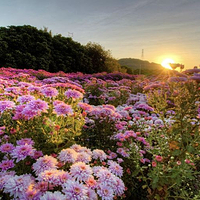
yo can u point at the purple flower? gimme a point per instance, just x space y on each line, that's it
24 141
67 155
49 91
83 157
74 94
99 154
22 151
45 163
4 105
25 98
74 190
18 185
6 148
115 168
80 171
6 164
53 196
28 113
63 109
38 105
105 192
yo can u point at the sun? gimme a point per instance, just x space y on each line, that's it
166 63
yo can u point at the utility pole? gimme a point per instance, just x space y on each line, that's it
142 57
70 35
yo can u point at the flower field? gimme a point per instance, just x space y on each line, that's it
102 136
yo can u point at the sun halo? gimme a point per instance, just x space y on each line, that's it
166 63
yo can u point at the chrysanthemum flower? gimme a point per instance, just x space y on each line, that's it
105 192
53 196
49 91
92 194
6 148
45 163
54 176
80 171
22 151
67 155
83 157
118 187
17 185
6 164
25 98
24 141
38 105
63 109
5 105
99 154
74 190
115 168
74 94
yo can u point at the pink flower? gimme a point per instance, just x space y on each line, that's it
159 158
178 162
154 164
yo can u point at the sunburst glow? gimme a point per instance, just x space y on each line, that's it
166 63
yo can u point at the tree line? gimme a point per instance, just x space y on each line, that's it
28 47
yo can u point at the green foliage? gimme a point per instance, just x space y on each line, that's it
27 47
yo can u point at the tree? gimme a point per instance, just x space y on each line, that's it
101 60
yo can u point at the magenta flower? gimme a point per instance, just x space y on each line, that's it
25 98
6 105
74 94
38 105
6 164
63 109
49 91
6 148
28 113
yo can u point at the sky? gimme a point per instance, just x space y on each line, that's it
158 28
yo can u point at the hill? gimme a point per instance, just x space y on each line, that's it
135 66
